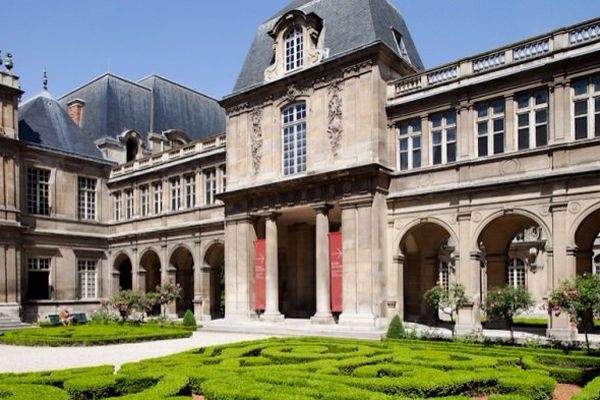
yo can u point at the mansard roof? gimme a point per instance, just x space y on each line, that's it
45 123
152 104
348 25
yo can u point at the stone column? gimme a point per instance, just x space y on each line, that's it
272 313
399 297
468 267
563 267
323 288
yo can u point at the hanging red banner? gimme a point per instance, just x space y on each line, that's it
259 275
335 270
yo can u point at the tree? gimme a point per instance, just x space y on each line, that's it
577 297
507 302
448 301
189 321
125 302
148 301
395 329
167 293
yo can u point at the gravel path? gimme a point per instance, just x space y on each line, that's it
29 359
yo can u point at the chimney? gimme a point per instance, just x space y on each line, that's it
75 110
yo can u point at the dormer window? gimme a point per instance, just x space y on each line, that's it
401 45
294 49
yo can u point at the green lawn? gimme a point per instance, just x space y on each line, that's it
325 369
92 334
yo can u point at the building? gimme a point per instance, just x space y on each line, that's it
351 181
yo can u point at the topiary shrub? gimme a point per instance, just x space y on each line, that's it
396 329
189 321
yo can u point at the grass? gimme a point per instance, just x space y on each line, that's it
325 369
93 334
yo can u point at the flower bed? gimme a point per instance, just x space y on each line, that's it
93 334
306 369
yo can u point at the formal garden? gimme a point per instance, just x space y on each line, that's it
127 317
328 369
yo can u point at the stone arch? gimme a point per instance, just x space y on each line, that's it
496 241
214 268
150 263
416 222
122 271
584 238
181 264
422 245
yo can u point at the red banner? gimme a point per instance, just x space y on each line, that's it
336 271
259 275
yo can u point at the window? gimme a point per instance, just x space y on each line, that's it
118 211
210 186
294 138
190 191
532 119
157 197
516 273
443 138
596 270
38 191
586 107
87 279
223 171
444 275
38 278
409 144
144 201
490 127
87 198
128 204
175 194
294 49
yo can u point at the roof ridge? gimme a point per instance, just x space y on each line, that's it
100 77
181 85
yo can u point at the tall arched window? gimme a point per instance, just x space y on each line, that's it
516 273
294 49
132 147
444 275
293 121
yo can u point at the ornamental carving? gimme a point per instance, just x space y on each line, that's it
335 127
292 93
256 139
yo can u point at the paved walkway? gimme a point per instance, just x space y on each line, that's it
30 359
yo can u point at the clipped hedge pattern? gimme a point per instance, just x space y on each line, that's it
91 335
324 369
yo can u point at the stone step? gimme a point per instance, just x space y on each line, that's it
292 329
8 326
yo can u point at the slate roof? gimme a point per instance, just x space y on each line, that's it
348 25
44 122
114 105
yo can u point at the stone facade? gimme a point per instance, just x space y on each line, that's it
482 172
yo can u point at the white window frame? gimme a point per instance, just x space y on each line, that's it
210 186
492 115
86 197
516 273
293 49
190 190
38 191
591 96
128 204
118 212
144 200
446 140
596 264
36 265
87 278
444 275
413 138
294 152
157 205
223 172
175 189
532 110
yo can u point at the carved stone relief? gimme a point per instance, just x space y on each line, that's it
256 139
335 128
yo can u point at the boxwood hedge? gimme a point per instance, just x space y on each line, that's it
325 369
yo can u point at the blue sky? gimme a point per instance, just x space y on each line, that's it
203 43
